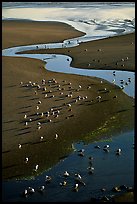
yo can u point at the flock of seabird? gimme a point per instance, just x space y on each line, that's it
78 178
64 90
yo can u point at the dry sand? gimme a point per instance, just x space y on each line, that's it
19 100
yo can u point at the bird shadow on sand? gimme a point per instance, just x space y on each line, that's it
23 133
105 100
24 112
9 166
7 151
38 142
9 121
25 107
27 96
11 86
32 99
26 128
9 129
123 110
60 99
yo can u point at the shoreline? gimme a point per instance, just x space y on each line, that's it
18 100
99 54
99 60
67 31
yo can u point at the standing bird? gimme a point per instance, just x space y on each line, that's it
48 179
38 123
36 167
37 107
25 193
44 88
26 160
106 148
81 152
78 176
80 86
118 152
76 187
19 146
26 123
41 138
91 169
64 183
39 127
31 190
56 136
66 174
97 147
41 189
114 96
98 98
25 116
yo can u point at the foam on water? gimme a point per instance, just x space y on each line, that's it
96 19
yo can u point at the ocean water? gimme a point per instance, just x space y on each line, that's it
97 20
93 18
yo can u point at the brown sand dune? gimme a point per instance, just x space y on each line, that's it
17 100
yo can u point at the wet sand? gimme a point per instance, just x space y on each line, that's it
29 32
74 123
112 53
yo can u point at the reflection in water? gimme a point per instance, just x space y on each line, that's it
109 169
107 166
63 64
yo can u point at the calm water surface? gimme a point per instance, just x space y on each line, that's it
110 170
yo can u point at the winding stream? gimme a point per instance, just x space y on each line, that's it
122 171
110 170
63 64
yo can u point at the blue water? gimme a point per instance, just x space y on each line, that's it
59 63
110 170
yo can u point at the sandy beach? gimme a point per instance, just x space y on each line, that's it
29 32
111 53
73 122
